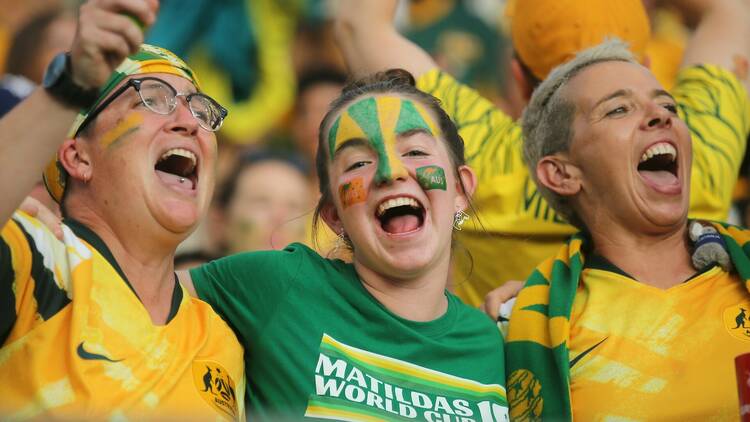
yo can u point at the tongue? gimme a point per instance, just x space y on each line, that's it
659 177
402 224
173 180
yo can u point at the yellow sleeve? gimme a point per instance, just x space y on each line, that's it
506 197
29 293
492 139
715 106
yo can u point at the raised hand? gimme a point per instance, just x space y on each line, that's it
108 31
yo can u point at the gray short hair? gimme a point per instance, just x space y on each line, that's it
547 121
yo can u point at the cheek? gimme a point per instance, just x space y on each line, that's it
431 177
352 192
124 128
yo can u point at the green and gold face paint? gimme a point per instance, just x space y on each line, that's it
431 177
352 192
380 120
124 127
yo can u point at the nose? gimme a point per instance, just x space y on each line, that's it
183 120
389 171
658 117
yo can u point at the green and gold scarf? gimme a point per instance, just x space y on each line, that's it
537 344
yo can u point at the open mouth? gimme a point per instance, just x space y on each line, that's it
400 215
658 164
178 167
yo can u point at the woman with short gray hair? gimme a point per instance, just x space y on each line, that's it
638 316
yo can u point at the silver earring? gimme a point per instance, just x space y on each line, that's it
182 180
459 218
339 243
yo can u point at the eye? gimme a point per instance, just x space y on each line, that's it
617 111
357 165
415 153
202 115
671 107
148 102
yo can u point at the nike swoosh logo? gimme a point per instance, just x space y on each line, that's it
585 352
83 354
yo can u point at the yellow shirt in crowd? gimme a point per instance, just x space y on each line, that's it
77 343
650 348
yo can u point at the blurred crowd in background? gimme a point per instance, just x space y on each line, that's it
275 66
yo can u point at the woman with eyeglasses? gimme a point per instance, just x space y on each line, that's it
94 324
380 338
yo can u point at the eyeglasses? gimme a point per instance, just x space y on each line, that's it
161 98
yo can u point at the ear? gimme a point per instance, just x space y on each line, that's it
558 174
76 160
331 217
525 86
468 179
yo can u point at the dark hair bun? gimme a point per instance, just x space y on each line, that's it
400 77
388 79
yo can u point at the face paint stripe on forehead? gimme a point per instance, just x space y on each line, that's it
413 117
346 130
390 165
365 114
332 137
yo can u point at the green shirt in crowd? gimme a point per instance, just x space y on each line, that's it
317 344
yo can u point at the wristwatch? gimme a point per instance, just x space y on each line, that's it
58 81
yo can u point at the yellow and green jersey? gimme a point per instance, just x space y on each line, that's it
588 342
638 352
518 229
78 343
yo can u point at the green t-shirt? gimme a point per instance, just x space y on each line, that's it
318 344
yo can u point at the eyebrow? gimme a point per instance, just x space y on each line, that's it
414 131
661 93
350 143
626 92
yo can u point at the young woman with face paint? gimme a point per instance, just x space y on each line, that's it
380 338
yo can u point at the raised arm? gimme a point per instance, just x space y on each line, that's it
722 36
31 133
712 96
370 42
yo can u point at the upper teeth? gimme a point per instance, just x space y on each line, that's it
659 149
397 202
181 152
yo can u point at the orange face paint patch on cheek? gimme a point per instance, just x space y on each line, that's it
124 127
352 192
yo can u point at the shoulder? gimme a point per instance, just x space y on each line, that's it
472 319
33 244
294 254
296 261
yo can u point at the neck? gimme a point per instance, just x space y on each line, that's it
146 259
660 260
420 298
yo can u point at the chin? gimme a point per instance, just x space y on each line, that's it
180 220
414 261
668 217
